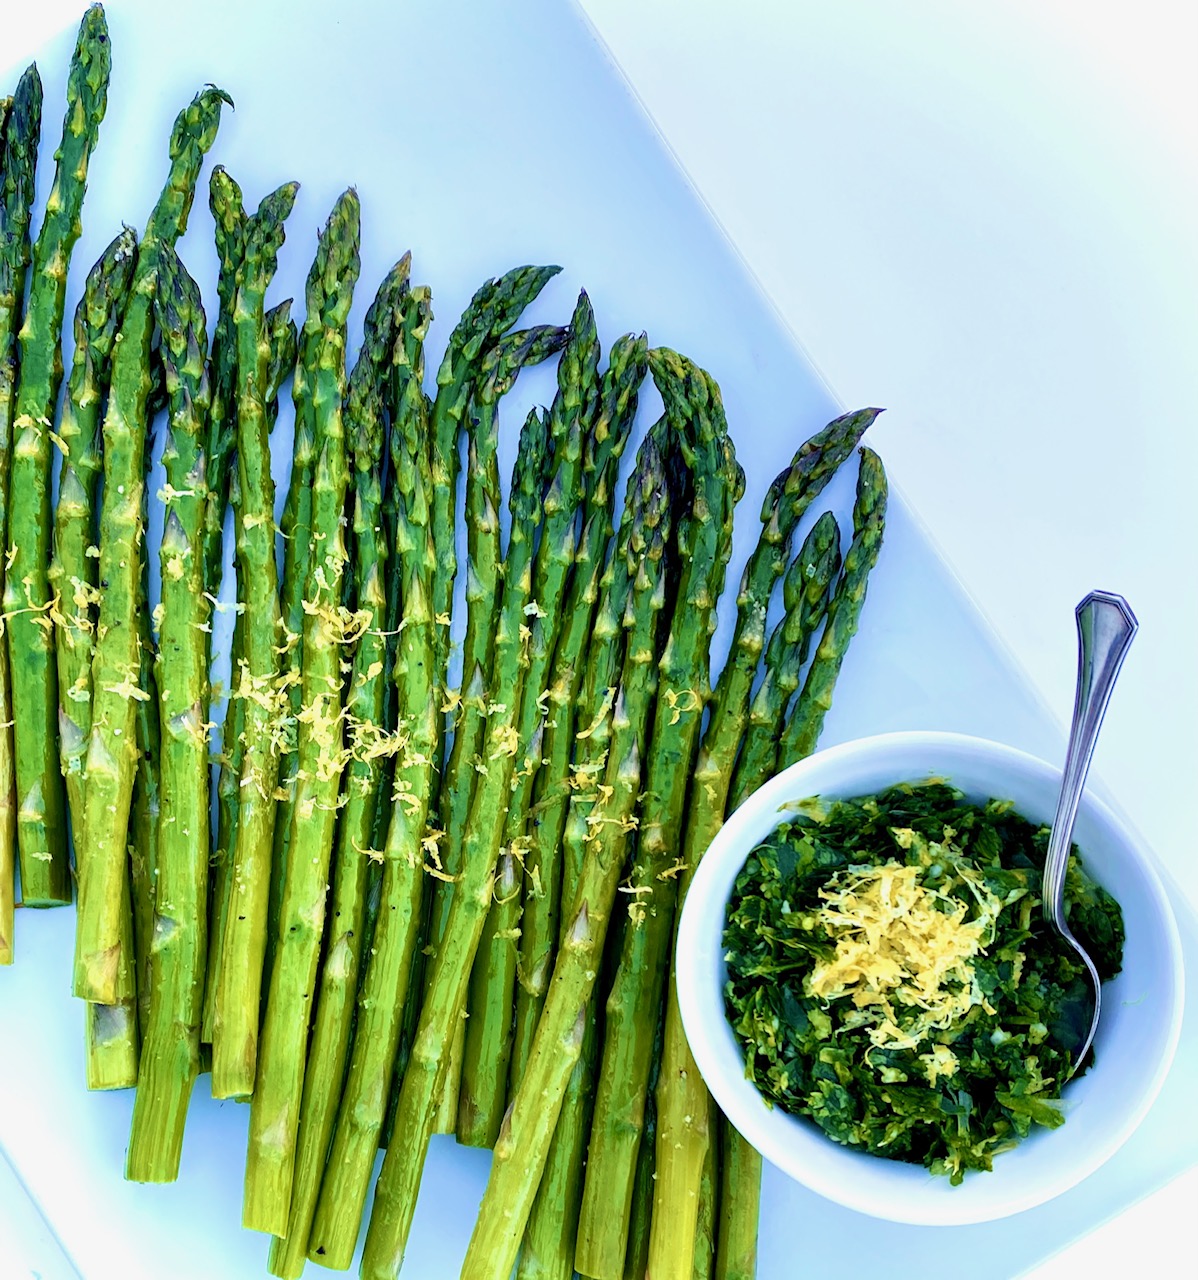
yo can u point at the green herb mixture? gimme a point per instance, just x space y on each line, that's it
890 974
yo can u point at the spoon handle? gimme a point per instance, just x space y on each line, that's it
1106 627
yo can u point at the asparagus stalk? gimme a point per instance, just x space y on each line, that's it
523 1143
283 338
415 982
18 162
489 1024
297 533
320 759
146 805
8 799
706 1225
365 411
228 785
424 1080
170 1061
111 758
636 990
806 591
493 310
548 1249
692 398
72 570
685 1133
114 1034
220 438
603 447
844 612
740 1187
111 1044
41 817
469 734
229 218
500 365
499 368
243 943
363 1103
636 1258
5 110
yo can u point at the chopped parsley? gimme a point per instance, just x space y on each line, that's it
891 976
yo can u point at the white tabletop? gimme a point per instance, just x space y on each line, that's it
977 216
981 217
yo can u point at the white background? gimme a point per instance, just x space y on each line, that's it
980 217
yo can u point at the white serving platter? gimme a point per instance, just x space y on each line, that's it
481 136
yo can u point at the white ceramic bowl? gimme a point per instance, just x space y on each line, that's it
1141 1009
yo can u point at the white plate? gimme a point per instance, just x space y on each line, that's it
481 136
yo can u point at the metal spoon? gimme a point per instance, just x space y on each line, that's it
1105 629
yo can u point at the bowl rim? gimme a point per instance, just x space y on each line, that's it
703 1016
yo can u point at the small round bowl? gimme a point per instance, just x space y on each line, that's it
1141 1008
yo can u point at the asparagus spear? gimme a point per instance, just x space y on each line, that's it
685 1137
72 570
110 1036
636 1259
170 1061
114 1034
548 1249
424 1080
365 411
297 532
5 109
489 1024
500 366
706 1225
740 1187
146 805
18 162
691 397
603 448
806 590
229 217
239 981
320 759
41 818
8 799
415 983
493 310
381 1001
844 612
111 758
523 1143
283 338
636 990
